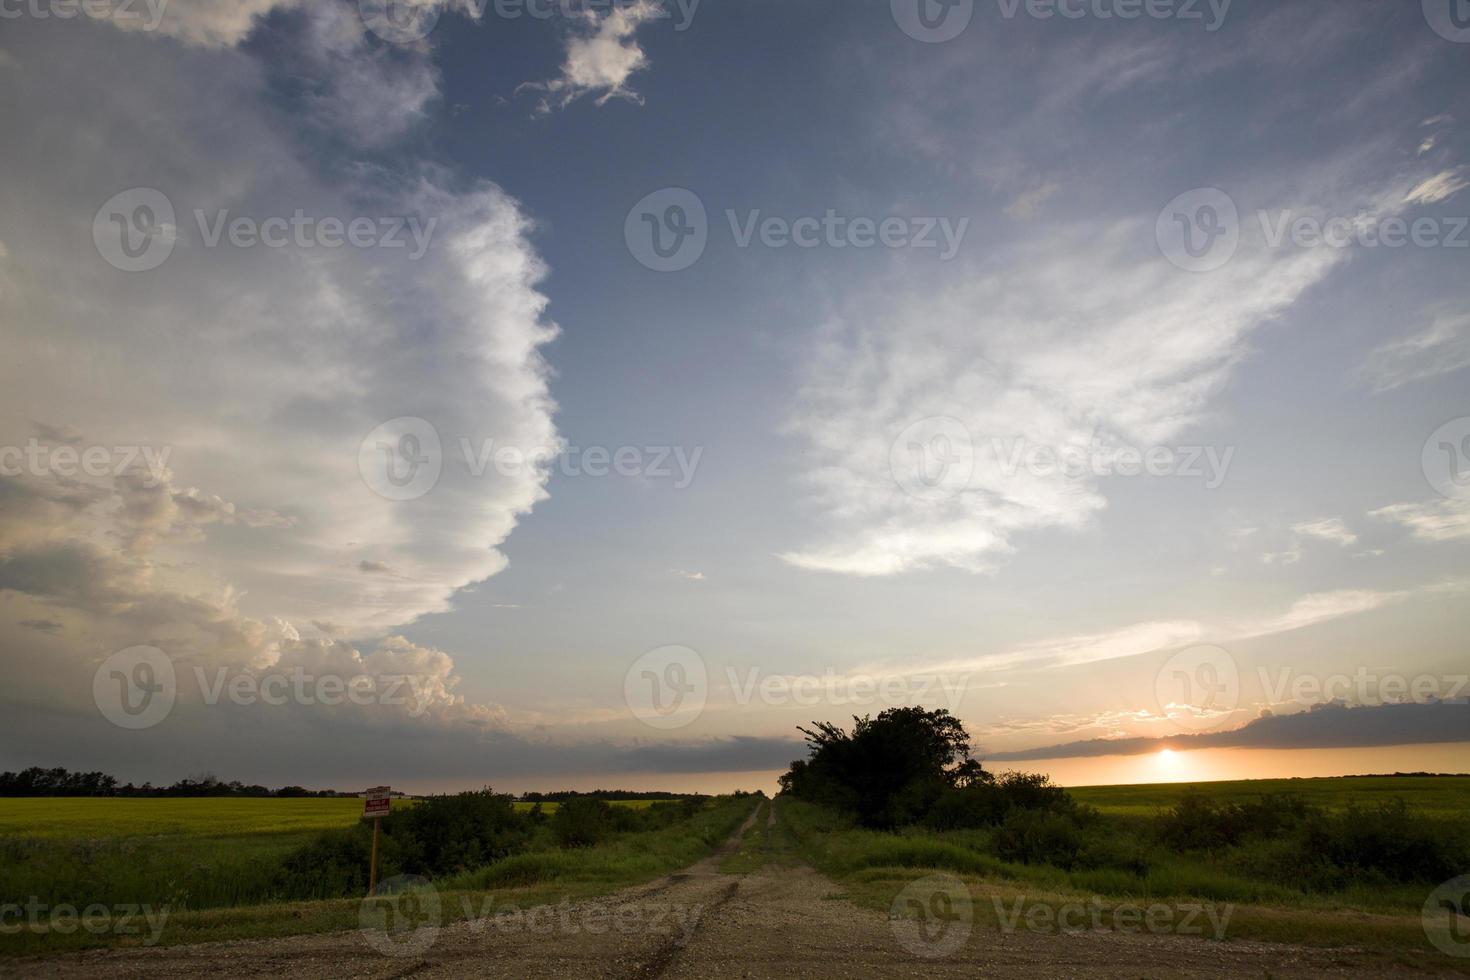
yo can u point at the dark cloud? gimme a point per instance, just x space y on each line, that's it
1323 726
41 625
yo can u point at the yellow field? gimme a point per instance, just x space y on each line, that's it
92 818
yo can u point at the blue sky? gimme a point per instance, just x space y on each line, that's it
831 470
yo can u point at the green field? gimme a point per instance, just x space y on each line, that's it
1437 796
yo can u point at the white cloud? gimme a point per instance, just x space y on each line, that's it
601 56
1073 342
1441 187
1075 337
205 23
1137 639
1440 348
259 371
1328 529
1311 610
1435 520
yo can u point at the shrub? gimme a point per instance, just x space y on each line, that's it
1039 837
582 822
989 803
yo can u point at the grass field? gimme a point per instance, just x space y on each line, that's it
1436 796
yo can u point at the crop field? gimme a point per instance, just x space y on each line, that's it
63 818
107 819
1445 797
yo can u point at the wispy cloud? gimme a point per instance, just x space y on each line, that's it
1138 639
1328 529
1441 187
1312 610
1440 348
1434 520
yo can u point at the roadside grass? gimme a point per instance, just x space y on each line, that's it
242 868
625 860
873 867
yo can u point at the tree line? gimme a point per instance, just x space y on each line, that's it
37 781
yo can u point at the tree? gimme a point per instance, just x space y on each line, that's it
889 771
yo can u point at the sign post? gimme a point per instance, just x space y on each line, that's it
375 805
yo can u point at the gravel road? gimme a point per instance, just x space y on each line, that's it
780 922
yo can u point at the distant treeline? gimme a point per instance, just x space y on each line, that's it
563 796
36 781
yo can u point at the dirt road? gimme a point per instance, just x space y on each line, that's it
781 921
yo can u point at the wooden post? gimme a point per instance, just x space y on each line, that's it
373 868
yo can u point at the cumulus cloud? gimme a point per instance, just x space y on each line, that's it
205 23
1440 348
602 54
255 373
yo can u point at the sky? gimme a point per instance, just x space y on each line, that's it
540 394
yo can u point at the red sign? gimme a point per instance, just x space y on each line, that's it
377 802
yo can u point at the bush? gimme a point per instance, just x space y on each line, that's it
441 835
1039 837
1284 839
582 822
1386 841
989 803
